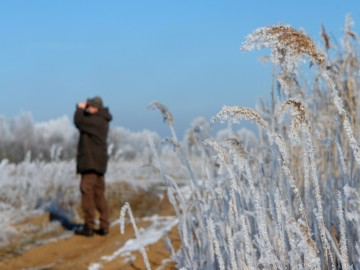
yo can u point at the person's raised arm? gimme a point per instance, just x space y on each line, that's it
82 119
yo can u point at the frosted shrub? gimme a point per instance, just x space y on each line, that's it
57 140
38 184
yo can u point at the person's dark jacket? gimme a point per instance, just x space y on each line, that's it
92 147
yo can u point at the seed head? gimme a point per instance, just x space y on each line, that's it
297 111
164 111
234 113
286 43
237 147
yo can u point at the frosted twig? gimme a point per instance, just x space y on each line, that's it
343 240
231 248
123 210
211 227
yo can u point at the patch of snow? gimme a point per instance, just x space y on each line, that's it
159 227
95 266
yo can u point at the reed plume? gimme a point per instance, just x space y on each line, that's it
167 116
286 43
325 37
234 113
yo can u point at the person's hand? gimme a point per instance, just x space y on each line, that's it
81 105
92 109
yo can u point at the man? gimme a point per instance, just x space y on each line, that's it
92 120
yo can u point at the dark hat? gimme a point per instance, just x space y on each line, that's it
95 102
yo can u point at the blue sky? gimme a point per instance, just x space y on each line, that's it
184 54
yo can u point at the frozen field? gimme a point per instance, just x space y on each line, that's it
286 197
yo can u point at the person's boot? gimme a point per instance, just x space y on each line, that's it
102 232
85 231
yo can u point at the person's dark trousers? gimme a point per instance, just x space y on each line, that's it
92 189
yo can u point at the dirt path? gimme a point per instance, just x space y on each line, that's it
77 252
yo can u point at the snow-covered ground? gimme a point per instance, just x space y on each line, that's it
159 226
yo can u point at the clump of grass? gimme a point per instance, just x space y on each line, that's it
288 46
251 214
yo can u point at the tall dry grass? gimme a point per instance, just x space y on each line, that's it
290 201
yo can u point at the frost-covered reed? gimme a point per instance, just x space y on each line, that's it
290 200
124 209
